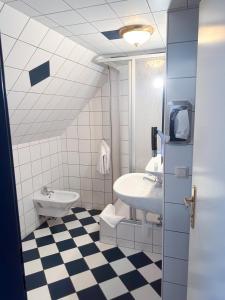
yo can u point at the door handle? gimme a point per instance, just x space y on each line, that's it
191 202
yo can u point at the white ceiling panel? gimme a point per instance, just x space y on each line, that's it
63 30
84 3
67 18
24 8
144 19
84 20
130 7
85 28
107 25
46 21
99 12
49 6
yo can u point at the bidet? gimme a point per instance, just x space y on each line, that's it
55 203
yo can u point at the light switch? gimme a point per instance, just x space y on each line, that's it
181 171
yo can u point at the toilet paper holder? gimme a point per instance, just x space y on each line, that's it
179 122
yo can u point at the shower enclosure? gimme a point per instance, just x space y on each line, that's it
140 88
139 84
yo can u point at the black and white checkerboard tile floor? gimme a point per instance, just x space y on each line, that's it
67 261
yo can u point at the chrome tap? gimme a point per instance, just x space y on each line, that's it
45 191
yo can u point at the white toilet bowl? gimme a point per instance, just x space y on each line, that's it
56 204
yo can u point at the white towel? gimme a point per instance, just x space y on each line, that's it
182 126
103 164
110 217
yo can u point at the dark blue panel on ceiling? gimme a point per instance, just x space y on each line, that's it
112 35
40 73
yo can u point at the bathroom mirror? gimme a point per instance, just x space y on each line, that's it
148 107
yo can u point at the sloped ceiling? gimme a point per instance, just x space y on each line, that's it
47 108
84 20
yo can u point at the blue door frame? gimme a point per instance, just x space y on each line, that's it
12 282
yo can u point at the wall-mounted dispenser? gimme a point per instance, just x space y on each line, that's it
179 122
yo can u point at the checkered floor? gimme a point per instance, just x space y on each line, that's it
67 261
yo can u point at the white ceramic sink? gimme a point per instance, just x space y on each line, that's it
138 192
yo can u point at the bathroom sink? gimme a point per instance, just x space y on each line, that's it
139 191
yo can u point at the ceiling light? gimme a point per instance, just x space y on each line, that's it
136 35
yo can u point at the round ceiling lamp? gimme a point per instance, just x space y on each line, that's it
136 35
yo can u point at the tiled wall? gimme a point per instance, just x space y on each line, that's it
39 113
49 107
80 146
181 77
36 164
131 234
66 162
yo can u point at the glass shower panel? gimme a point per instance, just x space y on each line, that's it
149 78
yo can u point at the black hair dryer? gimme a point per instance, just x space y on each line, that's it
154 141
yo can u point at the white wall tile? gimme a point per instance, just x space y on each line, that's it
182 59
25 172
178 156
33 33
27 187
51 41
8 25
157 236
181 89
98 185
174 291
84 146
188 26
125 231
175 270
145 237
85 159
177 217
7 45
177 188
11 76
181 240
22 50
106 230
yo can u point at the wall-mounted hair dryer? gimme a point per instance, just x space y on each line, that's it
154 141
164 139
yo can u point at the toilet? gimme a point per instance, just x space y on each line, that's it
57 204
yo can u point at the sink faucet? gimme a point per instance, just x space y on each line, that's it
154 178
45 191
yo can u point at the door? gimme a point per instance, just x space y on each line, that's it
12 285
206 279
